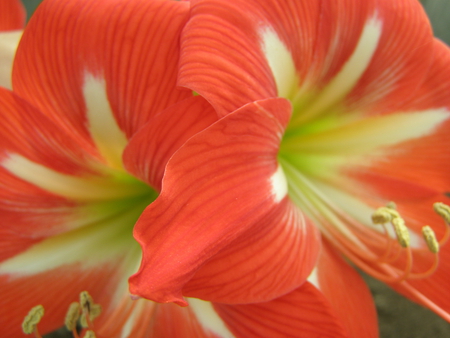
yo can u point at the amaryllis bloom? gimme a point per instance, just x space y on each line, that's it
12 20
330 112
85 136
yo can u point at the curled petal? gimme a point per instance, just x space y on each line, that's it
148 152
222 187
261 264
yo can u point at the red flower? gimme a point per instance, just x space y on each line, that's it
329 110
95 93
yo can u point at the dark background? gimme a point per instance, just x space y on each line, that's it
398 317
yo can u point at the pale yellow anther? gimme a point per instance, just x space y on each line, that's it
381 216
442 210
401 231
384 215
33 318
89 308
72 316
86 300
89 334
430 239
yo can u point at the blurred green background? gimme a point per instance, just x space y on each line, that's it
399 318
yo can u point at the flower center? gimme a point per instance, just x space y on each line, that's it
314 157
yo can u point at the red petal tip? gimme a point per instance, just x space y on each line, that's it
153 292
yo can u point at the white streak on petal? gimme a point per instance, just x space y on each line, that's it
208 317
8 47
279 184
351 71
370 134
361 212
72 187
280 62
314 278
136 318
108 137
88 246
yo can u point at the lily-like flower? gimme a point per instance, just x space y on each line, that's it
94 118
12 20
330 111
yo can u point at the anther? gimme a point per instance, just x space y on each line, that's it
442 210
90 309
401 231
381 216
86 300
72 316
89 334
34 316
430 239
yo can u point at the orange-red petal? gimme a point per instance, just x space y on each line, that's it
132 54
224 46
304 312
12 15
221 190
148 152
347 293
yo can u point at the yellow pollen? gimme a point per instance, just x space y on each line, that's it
401 231
32 319
72 316
89 334
430 239
381 216
442 210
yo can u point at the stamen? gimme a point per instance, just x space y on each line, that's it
29 324
443 210
381 216
389 214
72 316
90 310
383 255
402 231
430 239
89 334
